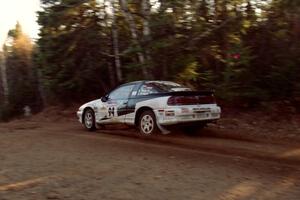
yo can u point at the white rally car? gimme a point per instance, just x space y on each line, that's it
152 106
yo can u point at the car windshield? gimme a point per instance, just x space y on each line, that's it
168 86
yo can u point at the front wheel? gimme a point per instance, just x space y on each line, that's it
147 123
89 120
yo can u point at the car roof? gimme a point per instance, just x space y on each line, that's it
145 81
133 82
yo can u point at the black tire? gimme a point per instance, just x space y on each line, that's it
147 123
89 120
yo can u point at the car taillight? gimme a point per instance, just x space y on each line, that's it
191 100
182 100
207 99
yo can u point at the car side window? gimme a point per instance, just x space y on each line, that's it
121 92
147 89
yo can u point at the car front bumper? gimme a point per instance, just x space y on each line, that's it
79 115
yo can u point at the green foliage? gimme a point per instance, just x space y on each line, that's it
189 73
245 50
70 46
226 46
20 75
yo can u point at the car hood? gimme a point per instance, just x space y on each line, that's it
92 104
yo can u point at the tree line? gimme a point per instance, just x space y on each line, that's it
246 50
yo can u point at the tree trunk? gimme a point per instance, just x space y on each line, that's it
41 89
146 31
132 26
110 67
115 38
146 16
4 79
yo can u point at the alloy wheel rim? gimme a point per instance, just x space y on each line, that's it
88 119
147 124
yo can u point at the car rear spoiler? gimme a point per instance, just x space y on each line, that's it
190 93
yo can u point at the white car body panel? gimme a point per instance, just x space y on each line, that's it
101 110
185 113
107 112
182 114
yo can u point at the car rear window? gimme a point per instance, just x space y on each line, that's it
165 86
147 89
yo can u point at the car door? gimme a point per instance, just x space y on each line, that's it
141 92
116 104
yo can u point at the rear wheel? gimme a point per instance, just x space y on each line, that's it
89 120
147 123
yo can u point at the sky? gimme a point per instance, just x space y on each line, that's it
23 11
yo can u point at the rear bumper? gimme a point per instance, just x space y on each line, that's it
188 114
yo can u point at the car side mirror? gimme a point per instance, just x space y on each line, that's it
104 98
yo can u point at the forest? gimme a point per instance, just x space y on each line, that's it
247 51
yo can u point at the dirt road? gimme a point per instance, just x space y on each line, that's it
62 161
